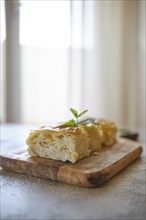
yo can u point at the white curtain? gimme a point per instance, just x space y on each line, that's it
112 61
2 60
102 68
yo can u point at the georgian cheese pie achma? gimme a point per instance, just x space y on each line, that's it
71 143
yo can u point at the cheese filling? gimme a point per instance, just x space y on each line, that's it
71 143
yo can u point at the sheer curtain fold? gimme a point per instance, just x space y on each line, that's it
2 61
114 68
102 69
13 68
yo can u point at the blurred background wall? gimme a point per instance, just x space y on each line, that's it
80 54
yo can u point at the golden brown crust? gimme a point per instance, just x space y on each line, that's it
71 143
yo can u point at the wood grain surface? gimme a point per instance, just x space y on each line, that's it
91 171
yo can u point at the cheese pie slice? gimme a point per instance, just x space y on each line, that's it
71 143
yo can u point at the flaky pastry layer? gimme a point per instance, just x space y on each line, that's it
71 143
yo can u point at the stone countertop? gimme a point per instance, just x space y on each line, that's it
30 198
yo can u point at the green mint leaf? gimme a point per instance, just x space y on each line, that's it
82 113
74 112
87 121
70 123
74 123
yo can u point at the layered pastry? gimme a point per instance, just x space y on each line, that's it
71 142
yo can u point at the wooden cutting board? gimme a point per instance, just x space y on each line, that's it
91 171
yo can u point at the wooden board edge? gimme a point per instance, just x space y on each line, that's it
98 178
17 166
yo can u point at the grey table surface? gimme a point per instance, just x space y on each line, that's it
26 197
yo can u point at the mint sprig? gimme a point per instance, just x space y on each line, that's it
73 122
70 123
76 115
